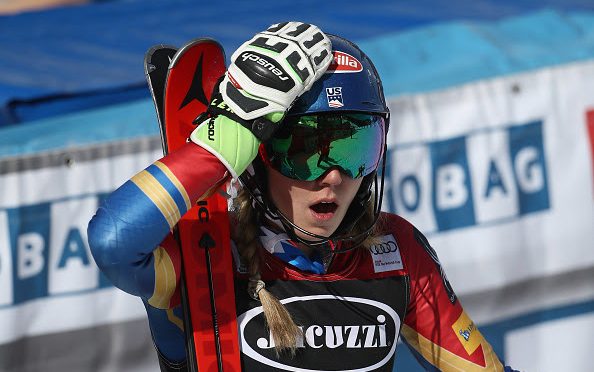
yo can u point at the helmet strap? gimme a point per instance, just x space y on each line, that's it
256 185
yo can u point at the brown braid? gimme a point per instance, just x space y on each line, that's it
283 329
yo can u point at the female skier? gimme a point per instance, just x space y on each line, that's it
336 280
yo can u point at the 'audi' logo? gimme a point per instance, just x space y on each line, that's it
385 247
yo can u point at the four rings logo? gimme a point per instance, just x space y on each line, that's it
382 248
386 255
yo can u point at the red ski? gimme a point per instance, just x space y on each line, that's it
207 292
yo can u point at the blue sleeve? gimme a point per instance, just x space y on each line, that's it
167 331
122 235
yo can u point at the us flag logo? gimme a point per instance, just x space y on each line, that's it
334 95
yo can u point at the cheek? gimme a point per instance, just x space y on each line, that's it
351 187
280 191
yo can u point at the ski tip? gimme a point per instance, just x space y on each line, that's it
154 55
191 44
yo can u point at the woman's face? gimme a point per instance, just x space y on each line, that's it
316 206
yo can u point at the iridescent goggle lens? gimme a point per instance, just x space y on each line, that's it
307 146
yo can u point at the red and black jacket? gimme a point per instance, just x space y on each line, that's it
352 316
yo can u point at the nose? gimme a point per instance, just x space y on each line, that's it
332 177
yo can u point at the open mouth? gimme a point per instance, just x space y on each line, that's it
324 208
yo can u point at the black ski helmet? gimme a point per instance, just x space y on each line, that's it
350 85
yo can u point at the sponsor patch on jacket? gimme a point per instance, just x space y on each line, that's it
346 334
467 333
386 255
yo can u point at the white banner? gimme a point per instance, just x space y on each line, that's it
48 279
498 175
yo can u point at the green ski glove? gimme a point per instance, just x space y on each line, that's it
232 143
267 74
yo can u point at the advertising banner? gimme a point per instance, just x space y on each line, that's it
498 175
49 283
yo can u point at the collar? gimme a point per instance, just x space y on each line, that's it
281 246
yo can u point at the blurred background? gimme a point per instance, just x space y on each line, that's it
490 151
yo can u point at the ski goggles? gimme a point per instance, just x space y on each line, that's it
305 147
